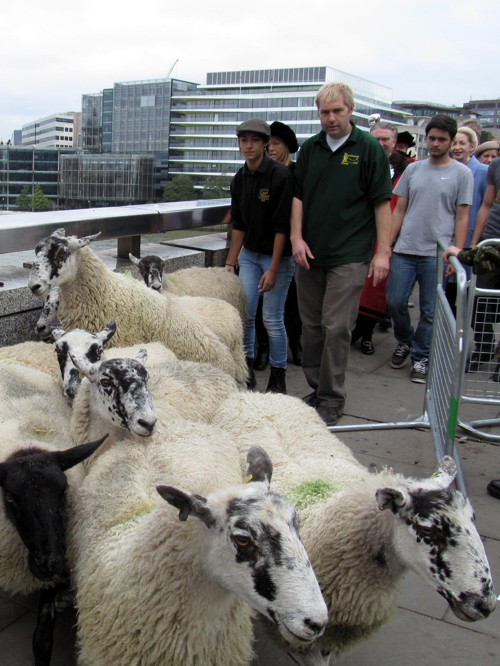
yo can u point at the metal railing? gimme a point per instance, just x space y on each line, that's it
446 371
22 231
481 385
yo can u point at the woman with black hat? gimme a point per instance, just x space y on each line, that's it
282 144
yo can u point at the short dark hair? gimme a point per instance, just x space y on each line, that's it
444 123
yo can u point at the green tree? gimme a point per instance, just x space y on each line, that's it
39 201
23 201
216 187
180 188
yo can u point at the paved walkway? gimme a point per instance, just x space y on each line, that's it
423 632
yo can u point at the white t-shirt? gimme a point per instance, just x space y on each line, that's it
433 194
336 143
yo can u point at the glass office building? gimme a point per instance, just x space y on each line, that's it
88 180
203 124
28 166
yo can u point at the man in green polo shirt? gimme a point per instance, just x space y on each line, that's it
340 207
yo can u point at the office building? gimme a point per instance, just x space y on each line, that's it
203 123
60 130
487 112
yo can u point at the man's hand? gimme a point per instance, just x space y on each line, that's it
379 267
301 253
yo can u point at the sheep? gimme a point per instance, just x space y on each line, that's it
91 295
217 315
194 281
151 591
32 527
359 549
179 390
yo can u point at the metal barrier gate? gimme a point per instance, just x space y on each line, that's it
481 384
446 371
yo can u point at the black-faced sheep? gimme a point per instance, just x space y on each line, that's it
194 281
90 295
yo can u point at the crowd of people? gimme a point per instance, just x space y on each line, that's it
353 225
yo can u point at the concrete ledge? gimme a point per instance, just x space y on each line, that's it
19 309
215 247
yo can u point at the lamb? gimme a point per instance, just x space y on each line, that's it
194 281
91 295
151 591
359 549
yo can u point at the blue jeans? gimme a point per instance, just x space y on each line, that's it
405 271
252 266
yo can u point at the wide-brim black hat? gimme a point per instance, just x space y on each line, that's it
286 134
406 138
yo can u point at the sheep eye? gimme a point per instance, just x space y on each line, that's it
427 530
242 541
106 383
9 499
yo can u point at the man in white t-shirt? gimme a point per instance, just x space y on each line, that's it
434 200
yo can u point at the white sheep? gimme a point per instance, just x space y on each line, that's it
195 281
358 550
117 395
91 295
151 590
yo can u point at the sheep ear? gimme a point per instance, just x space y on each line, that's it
107 333
83 365
390 498
260 467
446 472
3 471
133 259
142 356
187 503
71 457
57 330
75 243
59 233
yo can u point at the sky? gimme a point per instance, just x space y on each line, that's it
52 52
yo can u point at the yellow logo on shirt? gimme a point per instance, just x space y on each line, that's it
350 159
263 195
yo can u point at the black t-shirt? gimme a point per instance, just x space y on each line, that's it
261 205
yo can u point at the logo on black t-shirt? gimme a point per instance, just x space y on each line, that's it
264 195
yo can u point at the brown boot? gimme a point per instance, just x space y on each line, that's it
277 381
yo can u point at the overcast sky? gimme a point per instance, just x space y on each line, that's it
52 52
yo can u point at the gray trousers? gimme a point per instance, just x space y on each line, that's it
328 303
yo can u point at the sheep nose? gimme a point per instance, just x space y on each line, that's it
147 425
35 288
317 627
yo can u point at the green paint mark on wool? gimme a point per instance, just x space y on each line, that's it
310 492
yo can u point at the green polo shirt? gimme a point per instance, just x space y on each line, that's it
339 191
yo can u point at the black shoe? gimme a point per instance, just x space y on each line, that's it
329 414
251 381
400 355
493 488
277 381
311 399
367 347
262 358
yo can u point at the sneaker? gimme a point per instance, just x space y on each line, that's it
367 347
419 371
400 355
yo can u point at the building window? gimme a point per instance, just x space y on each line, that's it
147 100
